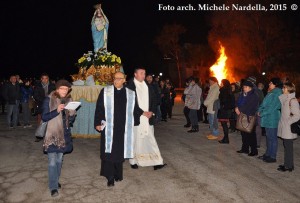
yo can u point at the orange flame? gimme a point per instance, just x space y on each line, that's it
219 69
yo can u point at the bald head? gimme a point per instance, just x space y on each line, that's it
119 74
119 79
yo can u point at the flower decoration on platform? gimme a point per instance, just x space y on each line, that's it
101 58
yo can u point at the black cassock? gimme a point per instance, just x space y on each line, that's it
112 163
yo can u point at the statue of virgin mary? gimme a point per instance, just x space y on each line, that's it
99 29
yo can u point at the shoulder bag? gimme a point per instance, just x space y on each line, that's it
41 130
295 127
245 123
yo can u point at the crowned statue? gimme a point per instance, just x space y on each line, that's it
99 29
101 64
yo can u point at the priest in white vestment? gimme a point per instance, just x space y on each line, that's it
146 151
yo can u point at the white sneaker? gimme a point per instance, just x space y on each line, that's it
29 126
25 126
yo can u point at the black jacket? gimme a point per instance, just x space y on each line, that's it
227 102
39 95
11 93
120 103
152 99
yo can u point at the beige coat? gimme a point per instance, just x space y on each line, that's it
284 126
213 95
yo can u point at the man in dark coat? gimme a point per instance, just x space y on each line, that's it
41 91
12 96
157 92
116 113
171 98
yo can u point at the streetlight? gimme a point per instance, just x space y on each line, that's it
263 73
160 74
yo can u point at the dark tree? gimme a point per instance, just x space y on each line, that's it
168 43
255 41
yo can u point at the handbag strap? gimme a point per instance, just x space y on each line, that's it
291 114
249 118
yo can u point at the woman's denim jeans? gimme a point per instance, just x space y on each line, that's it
272 142
54 169
213 124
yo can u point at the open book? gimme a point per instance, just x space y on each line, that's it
72 105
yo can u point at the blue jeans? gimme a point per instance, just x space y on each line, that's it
12 110
271 134
54 169
157 114
213 124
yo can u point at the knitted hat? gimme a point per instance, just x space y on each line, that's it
60 83
252 79
247 83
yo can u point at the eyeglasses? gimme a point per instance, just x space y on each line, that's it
119 78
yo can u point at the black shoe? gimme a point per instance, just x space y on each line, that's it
231 130
164 120
59 186
54 193
110 183
135 166
37 139
284 169
282 166
242 151
205 121
263 157
159 166
193 130
269 160
253 154
187 125
118 179
224 141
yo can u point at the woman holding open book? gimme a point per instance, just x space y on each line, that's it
57 141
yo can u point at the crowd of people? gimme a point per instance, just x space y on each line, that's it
273 109
24 96
127 111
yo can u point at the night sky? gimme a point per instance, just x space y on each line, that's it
49 36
